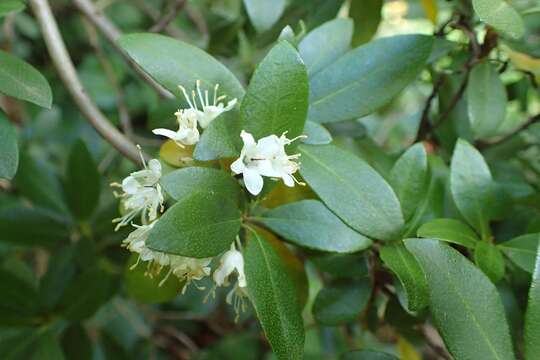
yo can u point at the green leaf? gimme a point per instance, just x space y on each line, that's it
316 134
146 289
87 293
472 186
522 251
11 6
264 14
367 16
18 301
48 348
341 303
409 273
490 260
532 316
184 182
200 225
367 354
20 80
76 343
9 161
37 181
83 181
477 327
59 275
25 226
409 178
501 15
342 266
310 224
450 230
277 98
221 139
366 78
273 294
353 190
325 44
486 100
179 63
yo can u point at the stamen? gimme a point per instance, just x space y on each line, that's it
165 278
215 93
220 98
199 92
206 97
193 97
136 263
186 96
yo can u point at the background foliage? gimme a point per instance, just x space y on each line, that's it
416 236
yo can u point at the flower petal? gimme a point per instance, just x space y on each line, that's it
165 132
253 181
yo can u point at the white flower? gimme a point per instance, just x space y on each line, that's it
141 193
189 269
231 261
187 133
209 111
267 157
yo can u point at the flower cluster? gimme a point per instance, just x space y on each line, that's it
142 195
201 112
266 157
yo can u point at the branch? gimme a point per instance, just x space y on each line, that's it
166 20
68 74
112 34
425 124
531 121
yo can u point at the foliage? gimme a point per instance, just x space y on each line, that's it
352 179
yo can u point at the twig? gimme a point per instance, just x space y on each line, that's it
455 99
123 112
434 341
153 14
169 16
68 74
531 121
112 34
425 124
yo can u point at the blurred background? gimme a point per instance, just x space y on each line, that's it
66 290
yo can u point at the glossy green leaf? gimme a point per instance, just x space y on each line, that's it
409 273
316 134
200 225
490 260
10 7
500 15
20 80
366 78
277 98
264 14
522 251
221 139
19 300
83 181
341 303
352 190
59 275
367 16
9 161
24 226
532 316
486 100
184 182
409 178
325 44
342 266
48 347
471 186
273 294
179 63
450 230
146 289
477 327
367 355
87 293
37 181
310 224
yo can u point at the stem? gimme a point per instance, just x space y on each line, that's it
68 74
166 20
112 34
